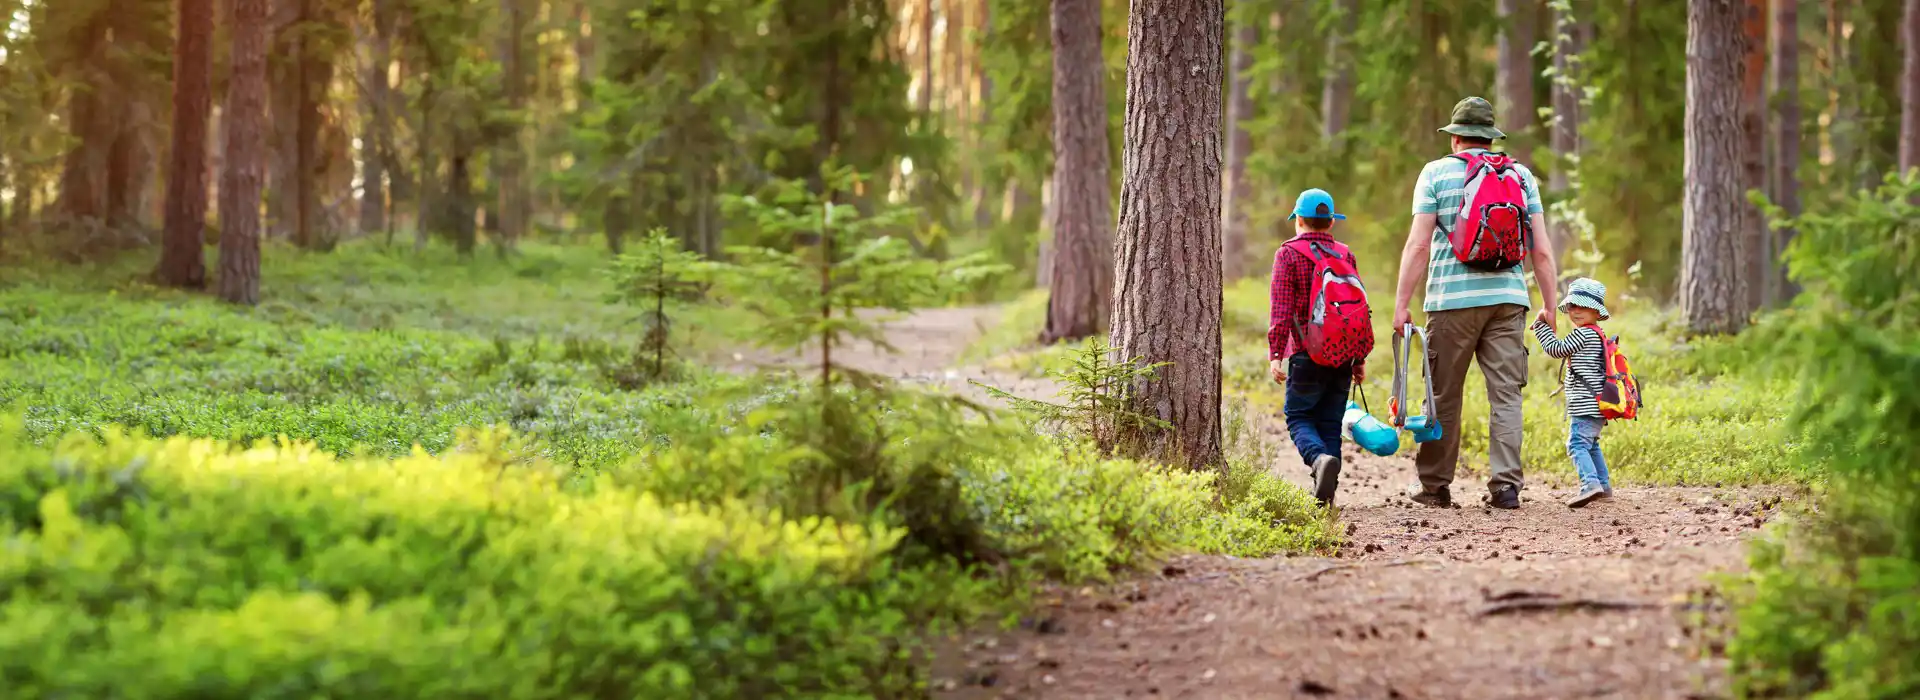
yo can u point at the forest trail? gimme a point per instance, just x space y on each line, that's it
1467 602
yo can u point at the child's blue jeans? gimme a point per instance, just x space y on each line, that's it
1583 445
1316 401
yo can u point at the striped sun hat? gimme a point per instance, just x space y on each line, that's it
1589 293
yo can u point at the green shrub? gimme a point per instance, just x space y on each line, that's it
1831 606
191 568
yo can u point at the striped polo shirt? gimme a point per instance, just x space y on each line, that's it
1450 284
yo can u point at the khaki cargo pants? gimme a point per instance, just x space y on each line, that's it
1496 336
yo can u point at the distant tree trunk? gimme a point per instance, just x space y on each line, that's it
376 146
1514 76
1082 211
1910 89
510 154
926 58
982 200
1753 111
1238 192
460 208
1784 175
1569 40
1713 280
182 259
244 175
1167 306
1337 96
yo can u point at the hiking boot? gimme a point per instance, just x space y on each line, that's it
1588 494
1505 497
1326 478
1436 498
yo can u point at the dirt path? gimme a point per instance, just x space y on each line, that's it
1467 602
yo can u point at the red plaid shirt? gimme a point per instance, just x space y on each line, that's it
1289 294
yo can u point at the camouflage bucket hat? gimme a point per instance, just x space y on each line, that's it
1473 117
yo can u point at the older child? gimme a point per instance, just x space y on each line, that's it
1584 349
1319 335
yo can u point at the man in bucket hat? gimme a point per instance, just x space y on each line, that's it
1472 313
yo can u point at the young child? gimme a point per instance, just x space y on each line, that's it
1585 351
1318 311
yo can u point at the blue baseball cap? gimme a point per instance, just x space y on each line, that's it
1315 204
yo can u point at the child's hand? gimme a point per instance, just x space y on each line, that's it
1547 316
1277 370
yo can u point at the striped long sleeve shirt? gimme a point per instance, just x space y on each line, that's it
1585 352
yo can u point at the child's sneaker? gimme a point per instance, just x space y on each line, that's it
1588 494
1326 478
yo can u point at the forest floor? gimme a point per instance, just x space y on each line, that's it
1464 602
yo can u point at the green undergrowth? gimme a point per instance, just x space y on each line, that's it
1829 607
412 476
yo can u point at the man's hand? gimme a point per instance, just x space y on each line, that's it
1547 316
1278 370
1359 371
1401 318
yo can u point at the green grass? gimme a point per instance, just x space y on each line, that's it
400 372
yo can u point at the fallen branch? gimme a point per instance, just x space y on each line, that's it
1557 604
1315 575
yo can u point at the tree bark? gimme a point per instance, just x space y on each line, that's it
244 175
182 258
1238 191
926 58
510 153
1713 280
1514 76
1337 95
1910 89
1168 299
376 146
1784 177
1569 40
1753 111
1081 214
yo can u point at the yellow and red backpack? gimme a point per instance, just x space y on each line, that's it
1618 395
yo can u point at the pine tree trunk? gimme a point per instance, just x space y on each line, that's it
182 259
1569 33
1753 120
982 197
1337 96
376 146
1784 175
1238 192
1910 88
1081 211
244 175
1167 304
1713 280
1514 76
510 153
926 59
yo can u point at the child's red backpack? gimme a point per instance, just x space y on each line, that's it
1493 231
1339 327
1618 395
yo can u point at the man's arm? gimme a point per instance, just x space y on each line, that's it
1545 273
1413 267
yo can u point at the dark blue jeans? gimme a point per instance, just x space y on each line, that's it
1316 401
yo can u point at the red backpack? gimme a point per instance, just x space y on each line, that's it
1339 327
1493 231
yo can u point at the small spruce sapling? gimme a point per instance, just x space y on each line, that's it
654 276
847 281
1092 399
